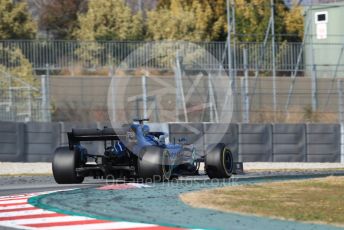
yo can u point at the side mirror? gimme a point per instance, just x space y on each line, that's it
162 139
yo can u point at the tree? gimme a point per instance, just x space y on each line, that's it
105 20
18 66
60 17
15 21
184 20
294 20
163 4
252 18
109 20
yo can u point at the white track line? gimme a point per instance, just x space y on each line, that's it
13 201
16 206
18 227
14 198
44 220
113 225
24 213
18 196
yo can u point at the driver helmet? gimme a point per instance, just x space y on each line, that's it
145 130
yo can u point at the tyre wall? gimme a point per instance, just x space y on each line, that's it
255 142
222 133
323 143
36 142
40 140
289 143
11 141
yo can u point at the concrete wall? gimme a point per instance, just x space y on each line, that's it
11 141
40 140
323 142
255 142
224 133
289 142
73 104
34 142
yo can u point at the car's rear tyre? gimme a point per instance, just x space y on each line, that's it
65 162
154 164
219 161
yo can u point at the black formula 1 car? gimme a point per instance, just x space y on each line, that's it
137 153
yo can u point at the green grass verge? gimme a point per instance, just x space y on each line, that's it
315 200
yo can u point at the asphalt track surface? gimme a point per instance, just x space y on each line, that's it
10 185
158 204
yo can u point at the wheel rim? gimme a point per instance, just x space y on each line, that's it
77 164
227 161
166 166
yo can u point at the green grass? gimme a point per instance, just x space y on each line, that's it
316 200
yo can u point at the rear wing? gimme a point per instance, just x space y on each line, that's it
106 134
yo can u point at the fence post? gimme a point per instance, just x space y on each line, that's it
144 95
314 89
230 63
29 104
314 79
234 38
212 101
48 93
72 46
341 113
45 98
180 99
245 91
273 57
10 96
